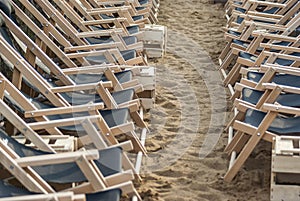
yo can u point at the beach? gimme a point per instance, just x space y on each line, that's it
186 159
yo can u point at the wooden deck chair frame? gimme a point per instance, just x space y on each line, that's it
229 54
252 5
248 26
269 70
40 115
226 56
35 50
60 196
113 55
125 12
83 25
108 100
270 95
26 70
240 144
233 75
33 182
149 11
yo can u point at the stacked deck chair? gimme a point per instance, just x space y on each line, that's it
99 51
71 76
260 66
42 86
147 9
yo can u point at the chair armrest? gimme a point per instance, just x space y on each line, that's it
91 47
64 110
279 47
255 13
99 33
92 69
281 69
281 109
104 21
50 159
266 3
97 11
284 88
81 87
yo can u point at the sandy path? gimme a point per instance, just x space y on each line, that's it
190 113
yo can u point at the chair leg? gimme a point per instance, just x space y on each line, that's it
226 62
233 75
232 143
224 53
248 148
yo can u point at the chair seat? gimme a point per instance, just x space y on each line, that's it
281 79
280 125
252 96
7 190
122 77
129 40
126 54
109 162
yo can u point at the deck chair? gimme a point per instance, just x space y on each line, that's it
282 55
251 46
13 193
272 93
35 169
271 10
248 27
247 5
270 73
117 99
80 53
68 62
109 123
120 76
89 135
38 81
253 125
243 40
91 23
127 12
148 9
23 195
106 22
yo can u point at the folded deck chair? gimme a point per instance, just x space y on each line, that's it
248 28
37 168
92 23
245 6
270 73
271 9
100 127
248 38
9 192
12 193
286 96
251 46
127 13
120 80
145 8
79 50
253 125
91 136
115 100
287 56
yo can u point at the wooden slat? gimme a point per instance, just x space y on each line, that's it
49 159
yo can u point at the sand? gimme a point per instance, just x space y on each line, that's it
186 159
